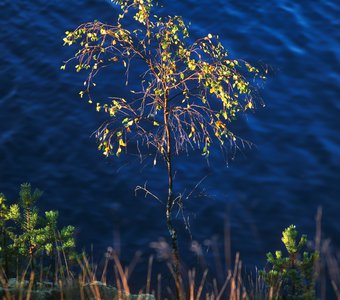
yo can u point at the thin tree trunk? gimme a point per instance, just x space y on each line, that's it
170 202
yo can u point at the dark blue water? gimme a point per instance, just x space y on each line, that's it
294 167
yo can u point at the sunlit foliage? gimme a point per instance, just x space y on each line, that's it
26 235
193 89
292 277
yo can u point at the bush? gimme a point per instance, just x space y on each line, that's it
292 277
27 236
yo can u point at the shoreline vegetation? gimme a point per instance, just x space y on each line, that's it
42 264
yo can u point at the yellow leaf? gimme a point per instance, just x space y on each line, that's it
119 150
121 143
219 124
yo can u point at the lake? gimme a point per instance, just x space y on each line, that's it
293 167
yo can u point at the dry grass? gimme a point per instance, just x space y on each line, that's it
87 286
230 281
194 286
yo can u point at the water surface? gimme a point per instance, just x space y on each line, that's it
45 129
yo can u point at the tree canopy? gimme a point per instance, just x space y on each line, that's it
192 89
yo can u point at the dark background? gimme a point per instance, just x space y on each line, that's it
45 129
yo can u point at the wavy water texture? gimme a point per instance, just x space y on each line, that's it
293 167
